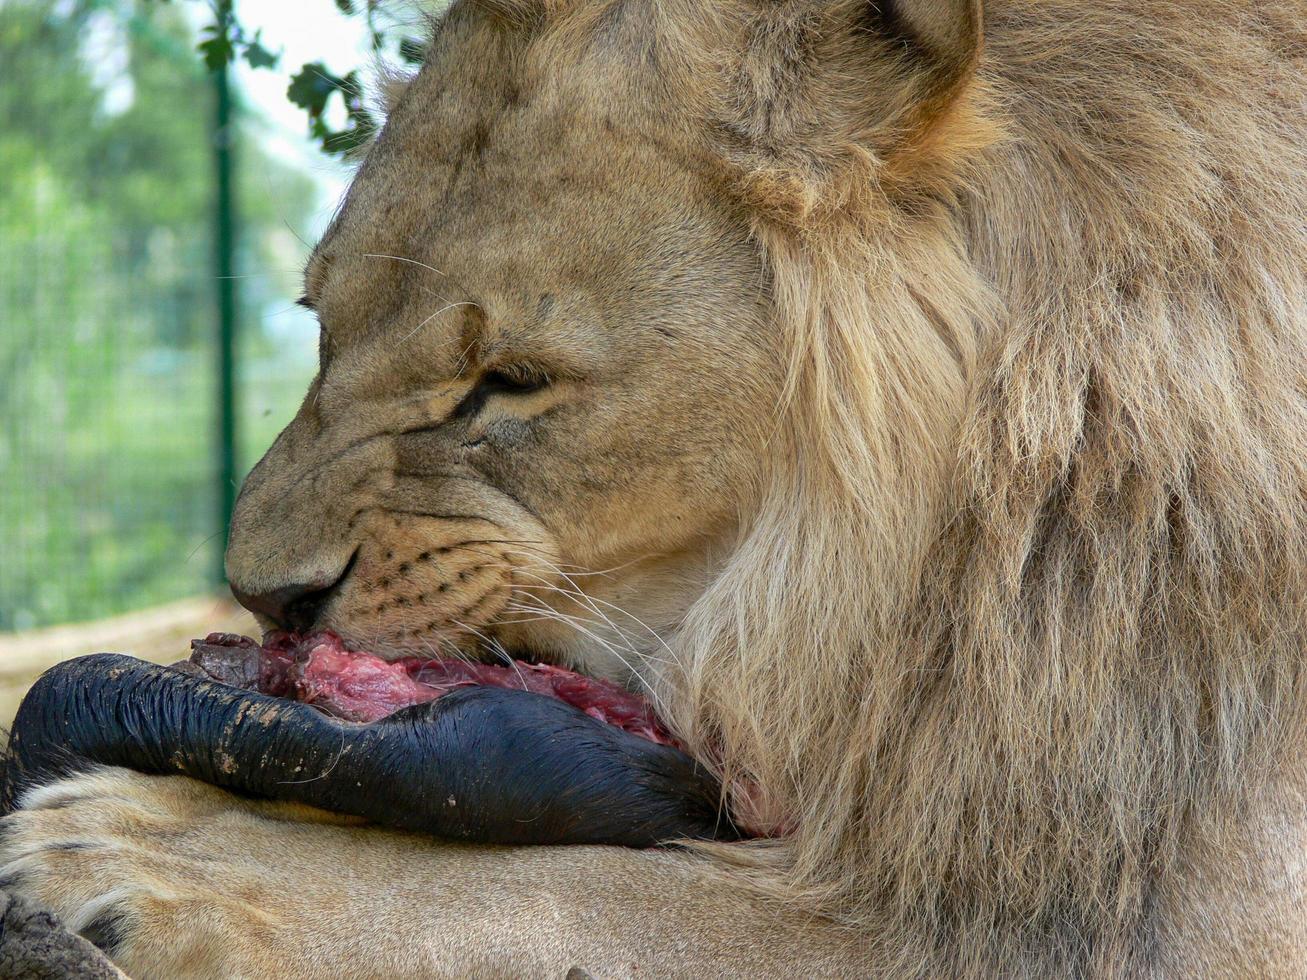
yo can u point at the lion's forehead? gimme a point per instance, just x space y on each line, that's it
588 260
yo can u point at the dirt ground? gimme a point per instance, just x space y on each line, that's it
161 634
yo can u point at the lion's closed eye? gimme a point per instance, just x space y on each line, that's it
514 381
501 381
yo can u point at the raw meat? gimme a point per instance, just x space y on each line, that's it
317 669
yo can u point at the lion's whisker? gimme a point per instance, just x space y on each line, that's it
400 258
443 309
584 601
593 602
575 624
497 647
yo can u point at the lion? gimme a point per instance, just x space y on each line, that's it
910 398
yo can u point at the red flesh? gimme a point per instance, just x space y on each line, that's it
318 669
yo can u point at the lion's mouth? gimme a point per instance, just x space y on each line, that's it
354 685
519 754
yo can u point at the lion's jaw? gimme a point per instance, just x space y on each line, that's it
500 235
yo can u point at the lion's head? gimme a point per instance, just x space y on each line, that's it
547 362
931 450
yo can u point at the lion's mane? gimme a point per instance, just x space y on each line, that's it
1024 602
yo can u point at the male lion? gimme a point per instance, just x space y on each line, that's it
923 423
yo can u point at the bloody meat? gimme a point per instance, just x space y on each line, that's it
318 669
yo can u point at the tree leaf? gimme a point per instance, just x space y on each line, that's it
345 140
258 56
218 50
412 49
311 87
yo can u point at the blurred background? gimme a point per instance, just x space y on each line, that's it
154 217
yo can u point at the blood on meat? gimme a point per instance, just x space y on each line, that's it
318 669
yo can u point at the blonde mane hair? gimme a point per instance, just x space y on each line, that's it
1023 598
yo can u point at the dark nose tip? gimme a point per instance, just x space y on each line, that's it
293 607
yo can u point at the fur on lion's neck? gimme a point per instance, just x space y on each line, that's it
1047 604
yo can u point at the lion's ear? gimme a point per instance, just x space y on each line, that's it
819 77
941 38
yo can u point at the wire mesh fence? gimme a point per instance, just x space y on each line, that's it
106 475
109 408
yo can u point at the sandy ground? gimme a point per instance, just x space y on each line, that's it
161 634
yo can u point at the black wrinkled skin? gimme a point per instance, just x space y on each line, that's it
479 764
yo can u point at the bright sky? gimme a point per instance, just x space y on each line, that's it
302 31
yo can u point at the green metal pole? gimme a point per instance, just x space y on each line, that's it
225 231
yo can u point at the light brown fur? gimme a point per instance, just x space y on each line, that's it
928 434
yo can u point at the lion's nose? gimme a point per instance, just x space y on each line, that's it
293 607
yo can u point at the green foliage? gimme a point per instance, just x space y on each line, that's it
222 43
313 86
412 50
107 495
312 89
258 56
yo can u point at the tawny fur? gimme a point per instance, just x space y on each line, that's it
987 584
1109 635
